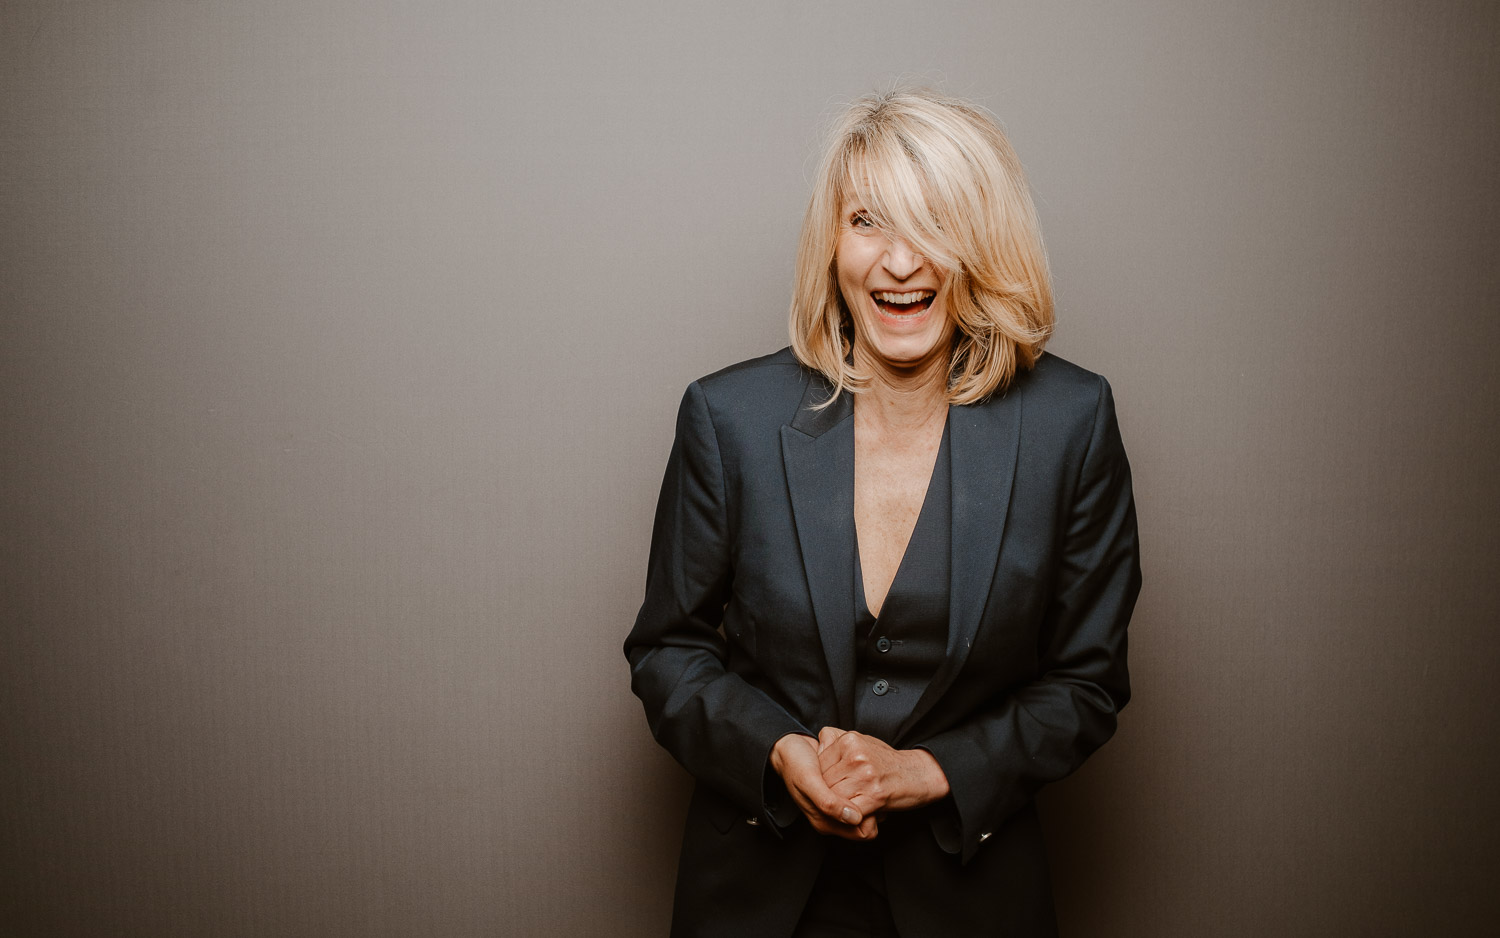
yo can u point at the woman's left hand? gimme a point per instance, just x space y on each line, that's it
875 777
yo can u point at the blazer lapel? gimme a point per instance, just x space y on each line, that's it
818 451
984 439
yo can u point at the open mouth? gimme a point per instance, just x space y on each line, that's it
903 305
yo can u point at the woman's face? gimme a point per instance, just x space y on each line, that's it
891 291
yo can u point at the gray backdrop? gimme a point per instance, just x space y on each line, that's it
341 348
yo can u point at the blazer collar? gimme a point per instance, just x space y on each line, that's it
818 451
984 440
817 448
813 421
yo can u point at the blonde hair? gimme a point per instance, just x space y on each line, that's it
939 173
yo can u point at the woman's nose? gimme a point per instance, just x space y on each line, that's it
900 260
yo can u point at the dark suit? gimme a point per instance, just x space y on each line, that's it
755 532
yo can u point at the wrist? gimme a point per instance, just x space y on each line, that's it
779 750
933 781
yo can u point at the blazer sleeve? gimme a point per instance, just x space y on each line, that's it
1042 731
718 726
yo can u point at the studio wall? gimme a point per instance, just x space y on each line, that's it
340 347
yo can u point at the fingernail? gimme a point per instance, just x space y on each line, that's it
849 816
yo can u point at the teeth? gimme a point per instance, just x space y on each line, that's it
902 299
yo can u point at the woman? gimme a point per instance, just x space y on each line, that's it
892 566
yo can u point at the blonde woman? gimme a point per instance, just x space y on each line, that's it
892 566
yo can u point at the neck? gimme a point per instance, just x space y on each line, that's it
906 394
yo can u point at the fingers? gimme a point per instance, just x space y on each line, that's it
841 804
843 754
857 813
827 735
858 768
822 800
798 765
864 829
867 796
866 803
817 816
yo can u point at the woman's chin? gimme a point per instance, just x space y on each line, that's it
904 352
903 341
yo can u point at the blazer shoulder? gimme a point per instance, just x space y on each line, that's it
775 368
1063 401
1057 383
766 388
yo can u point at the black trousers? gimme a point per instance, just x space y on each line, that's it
849 898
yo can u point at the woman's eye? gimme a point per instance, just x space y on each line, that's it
861 220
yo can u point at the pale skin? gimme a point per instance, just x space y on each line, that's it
845 781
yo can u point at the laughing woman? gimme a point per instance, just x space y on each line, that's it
892 566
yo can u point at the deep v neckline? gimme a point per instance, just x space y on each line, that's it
862 609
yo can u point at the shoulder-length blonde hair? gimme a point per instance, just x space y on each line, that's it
939 173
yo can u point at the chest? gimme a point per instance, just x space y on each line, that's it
892 474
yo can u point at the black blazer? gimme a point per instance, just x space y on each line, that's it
747 634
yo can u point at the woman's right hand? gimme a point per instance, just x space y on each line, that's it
795 759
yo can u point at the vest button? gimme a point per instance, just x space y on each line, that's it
883 644
881 686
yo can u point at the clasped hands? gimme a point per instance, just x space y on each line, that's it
844 782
